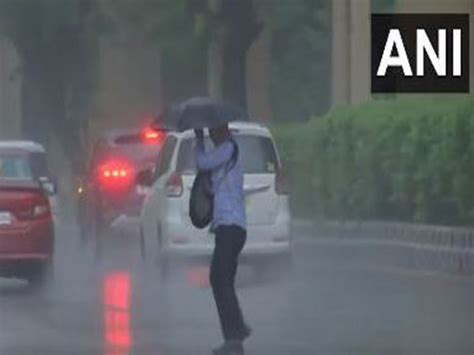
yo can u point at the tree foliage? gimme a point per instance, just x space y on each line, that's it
301 57
403 159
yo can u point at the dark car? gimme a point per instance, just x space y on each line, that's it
108 190
26 222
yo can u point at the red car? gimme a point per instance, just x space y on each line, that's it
26 223
109 190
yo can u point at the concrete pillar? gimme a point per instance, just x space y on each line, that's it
350 51
340 52
360 47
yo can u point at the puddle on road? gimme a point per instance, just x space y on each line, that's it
198 277
117 293
117 304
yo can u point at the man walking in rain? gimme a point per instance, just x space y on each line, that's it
229 226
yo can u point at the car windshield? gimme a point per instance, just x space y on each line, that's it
257 154
14 167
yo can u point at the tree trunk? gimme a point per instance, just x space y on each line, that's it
234 75
36 119
55 79
238 28
340 52
259 68
214 69
45 85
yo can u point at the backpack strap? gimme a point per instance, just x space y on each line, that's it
232 161
233 158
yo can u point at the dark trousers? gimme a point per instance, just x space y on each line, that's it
229 243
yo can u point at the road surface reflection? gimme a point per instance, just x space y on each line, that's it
117 292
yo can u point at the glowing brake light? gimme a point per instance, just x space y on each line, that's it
152 136
34 206
116 174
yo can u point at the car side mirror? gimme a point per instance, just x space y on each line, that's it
145 178
49 186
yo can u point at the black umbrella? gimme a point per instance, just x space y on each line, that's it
204 112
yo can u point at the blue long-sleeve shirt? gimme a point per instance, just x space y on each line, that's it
228 189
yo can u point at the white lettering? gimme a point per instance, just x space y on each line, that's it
457 52
423 45
401 60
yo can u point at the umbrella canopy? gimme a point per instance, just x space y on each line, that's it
204 112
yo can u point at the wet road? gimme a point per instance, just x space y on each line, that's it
333 303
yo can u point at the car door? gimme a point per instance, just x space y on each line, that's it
155 201
261 166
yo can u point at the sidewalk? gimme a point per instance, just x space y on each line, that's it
427 247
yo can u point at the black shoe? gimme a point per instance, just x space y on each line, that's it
231 347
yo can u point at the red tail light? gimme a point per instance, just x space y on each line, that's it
151 136
174 186
115 174
281 183
35 206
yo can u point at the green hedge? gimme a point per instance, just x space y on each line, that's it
400 159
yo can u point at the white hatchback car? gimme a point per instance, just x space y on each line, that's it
165 226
